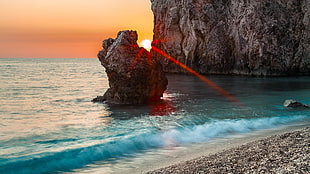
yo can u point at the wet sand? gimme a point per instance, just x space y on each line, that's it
273 151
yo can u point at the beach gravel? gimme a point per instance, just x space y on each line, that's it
284 154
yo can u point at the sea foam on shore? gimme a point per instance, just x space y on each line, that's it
281 153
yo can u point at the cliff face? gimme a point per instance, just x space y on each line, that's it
245 37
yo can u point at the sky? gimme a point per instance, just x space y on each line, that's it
68 28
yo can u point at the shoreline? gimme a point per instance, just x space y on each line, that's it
162 160
281 150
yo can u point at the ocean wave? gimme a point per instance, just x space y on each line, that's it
70 159
220 128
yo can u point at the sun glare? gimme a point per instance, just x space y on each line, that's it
147 44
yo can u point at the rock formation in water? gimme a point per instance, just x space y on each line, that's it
244 37
134 77
294 104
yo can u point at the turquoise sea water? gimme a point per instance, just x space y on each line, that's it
48 123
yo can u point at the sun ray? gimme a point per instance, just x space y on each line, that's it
136 59
209 82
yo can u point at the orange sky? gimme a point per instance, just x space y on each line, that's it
68 28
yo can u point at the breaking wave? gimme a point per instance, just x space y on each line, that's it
70 159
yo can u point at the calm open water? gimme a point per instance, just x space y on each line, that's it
48 123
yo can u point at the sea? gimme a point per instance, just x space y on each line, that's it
48 123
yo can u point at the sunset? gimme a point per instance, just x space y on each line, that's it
68 29
154 86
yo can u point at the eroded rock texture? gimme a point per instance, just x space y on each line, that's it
245 37
134 77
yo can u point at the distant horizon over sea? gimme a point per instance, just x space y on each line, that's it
48 58
48 123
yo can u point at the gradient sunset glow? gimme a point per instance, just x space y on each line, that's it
68 29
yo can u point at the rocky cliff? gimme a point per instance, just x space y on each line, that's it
244 37
134 77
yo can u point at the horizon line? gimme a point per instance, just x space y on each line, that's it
48 57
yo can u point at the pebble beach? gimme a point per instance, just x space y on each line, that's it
283 153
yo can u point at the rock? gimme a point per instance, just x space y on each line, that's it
294 104
99 99
134 76
254 37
